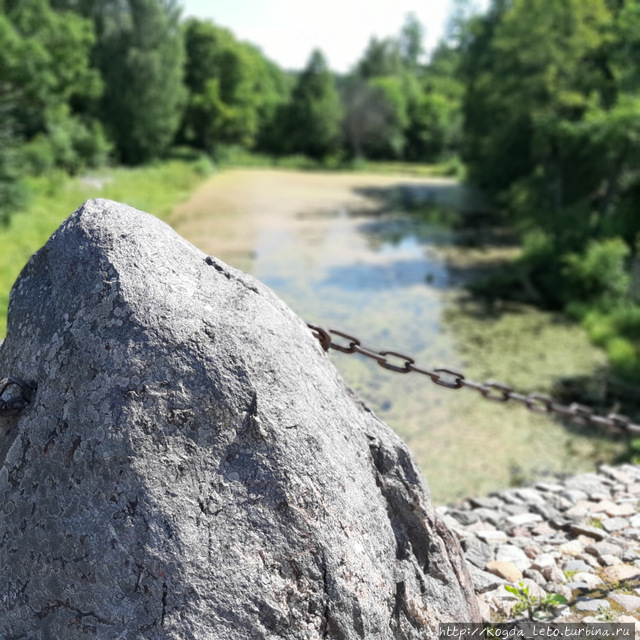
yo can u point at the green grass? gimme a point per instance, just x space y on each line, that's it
229 157
156 188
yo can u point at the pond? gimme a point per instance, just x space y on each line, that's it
338 248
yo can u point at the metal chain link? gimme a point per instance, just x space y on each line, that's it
16 403
490 390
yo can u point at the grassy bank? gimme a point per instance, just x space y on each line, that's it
237 157
155 189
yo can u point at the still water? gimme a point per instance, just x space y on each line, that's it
338 250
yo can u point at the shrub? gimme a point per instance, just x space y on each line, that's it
599 274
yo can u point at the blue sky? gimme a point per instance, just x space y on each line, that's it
288 30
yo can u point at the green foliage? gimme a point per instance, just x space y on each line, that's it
44 59
45 70
551 130
536 607
12 190
139 53
313 116
617 329
234 92
397 107
435 111
599 274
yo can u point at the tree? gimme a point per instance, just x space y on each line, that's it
314 113
44 71
233 90
139 53
11 186
530 75
434 131
381 58
410 42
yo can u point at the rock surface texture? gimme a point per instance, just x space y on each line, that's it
192 466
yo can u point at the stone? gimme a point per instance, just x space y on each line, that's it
608 560
626 601
479 526
193 466
536 576
505 570
511 497
616 474
577 586
519 535
464 517
484 581
492 537
551 487
543 560
576 566
588 482
485 610
622 509
553 574
614 524
578 512
560 589
620 573
542 529
571 548
591 580
489 515
630 555
624 619
588 530
603 548
514 555
490 502
530 496
592 604
546 511
532 551
535 589
477 552
574 495
524 519
515 509
454 525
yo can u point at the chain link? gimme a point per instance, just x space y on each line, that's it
535 402
16 403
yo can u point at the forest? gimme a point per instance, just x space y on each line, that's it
535 102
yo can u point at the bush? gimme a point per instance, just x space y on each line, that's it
70 144
599 274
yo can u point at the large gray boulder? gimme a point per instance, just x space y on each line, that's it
192 466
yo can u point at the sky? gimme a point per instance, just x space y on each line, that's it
288 30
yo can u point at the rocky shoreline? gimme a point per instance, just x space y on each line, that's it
576 539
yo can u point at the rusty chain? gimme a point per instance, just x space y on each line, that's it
536 402
17 402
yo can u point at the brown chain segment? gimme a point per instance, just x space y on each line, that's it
17 402
495 391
